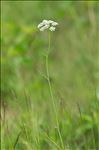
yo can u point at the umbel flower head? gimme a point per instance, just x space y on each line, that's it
47 24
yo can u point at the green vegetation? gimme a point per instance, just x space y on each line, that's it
29 120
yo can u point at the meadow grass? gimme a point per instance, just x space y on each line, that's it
50 97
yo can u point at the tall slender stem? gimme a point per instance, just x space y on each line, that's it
51 93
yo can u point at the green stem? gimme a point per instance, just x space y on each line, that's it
51 93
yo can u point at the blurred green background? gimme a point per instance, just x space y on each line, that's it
73 65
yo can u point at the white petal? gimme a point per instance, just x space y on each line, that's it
44 27
40 25
50 21
54 23
52 28
45 22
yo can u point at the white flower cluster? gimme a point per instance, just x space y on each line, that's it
47 24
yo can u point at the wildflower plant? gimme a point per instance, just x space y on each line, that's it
50 26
